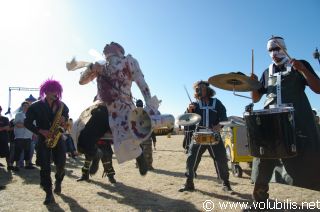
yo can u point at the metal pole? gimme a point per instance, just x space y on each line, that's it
18 89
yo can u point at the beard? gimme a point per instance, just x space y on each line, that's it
53 97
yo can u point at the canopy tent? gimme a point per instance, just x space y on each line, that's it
29 99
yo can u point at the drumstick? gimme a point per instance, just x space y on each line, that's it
187 93
252 62
286 53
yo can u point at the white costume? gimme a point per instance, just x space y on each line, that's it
114 81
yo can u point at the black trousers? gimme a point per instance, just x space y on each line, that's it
95 128
304 170
45 155
218 154
22 145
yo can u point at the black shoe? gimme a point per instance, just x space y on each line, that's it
29 167
57 188
111 179
83 178
188 186
15 168
2 187
49 199
142 165
226 187
10 168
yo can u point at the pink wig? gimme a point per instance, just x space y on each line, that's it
50 85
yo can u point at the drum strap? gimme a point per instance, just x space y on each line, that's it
206 109
278 81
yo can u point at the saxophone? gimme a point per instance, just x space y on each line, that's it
56 130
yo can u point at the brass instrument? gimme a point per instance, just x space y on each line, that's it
56 130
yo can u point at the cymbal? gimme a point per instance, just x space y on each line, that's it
234 82
188 119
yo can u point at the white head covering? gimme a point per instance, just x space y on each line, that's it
113 49
277 42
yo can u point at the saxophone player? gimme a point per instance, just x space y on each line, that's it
44 118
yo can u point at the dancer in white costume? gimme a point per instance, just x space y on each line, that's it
114 81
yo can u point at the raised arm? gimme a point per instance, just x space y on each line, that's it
138 77
90 73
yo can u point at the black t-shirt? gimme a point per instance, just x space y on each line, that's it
4 121
42 114
293 86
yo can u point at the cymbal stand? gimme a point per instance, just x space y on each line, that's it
234 82
234 93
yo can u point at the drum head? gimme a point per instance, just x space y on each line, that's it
81 122
140 124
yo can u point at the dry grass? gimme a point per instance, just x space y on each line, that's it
157 191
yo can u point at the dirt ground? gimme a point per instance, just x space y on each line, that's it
157 191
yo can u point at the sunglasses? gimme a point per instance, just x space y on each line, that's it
274 49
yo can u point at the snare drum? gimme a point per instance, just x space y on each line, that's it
271 133
206 138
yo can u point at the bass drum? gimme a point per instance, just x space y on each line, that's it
271 133
83 119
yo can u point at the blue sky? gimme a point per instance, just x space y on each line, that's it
176 42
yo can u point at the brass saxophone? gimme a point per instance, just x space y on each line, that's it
56 130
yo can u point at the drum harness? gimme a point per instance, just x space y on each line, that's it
206 114
206 109
272 81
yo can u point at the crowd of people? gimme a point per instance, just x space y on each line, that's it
39 122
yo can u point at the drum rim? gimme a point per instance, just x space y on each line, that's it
270 111
204 133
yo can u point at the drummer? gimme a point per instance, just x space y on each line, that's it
212 111
295 76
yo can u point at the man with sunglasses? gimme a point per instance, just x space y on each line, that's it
212 112
295 75
41 118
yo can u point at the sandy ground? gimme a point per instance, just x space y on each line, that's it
157 191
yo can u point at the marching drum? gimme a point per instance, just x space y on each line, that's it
271 133
206 138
